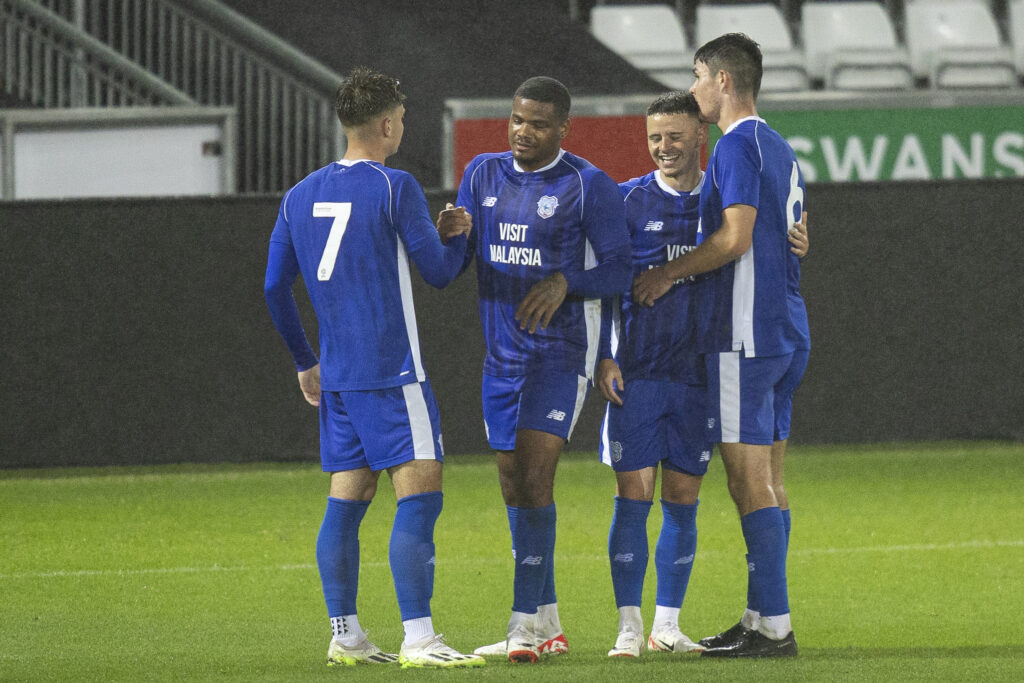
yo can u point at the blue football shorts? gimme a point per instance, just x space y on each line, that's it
543 401
379 428
658 422
750 400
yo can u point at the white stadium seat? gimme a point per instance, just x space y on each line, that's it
649 37
852 46
956 44
1015 20
783 64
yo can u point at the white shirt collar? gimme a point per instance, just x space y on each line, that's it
745 118
515 164
663 185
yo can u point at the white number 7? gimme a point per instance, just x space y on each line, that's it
340 212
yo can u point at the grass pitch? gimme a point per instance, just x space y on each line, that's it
905 563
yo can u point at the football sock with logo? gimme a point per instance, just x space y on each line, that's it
675 552
766 547
534 541
627 550
411 552
337 554
346 630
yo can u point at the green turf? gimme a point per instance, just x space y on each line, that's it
906 563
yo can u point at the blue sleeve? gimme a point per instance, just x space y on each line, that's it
467 199
738 172
438 263
282 269
604 223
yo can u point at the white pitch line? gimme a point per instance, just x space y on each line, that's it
919 547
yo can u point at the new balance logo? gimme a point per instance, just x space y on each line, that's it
705 456
623 557
557 415
489 201
750 566
432 560
654 226
684 560
533 560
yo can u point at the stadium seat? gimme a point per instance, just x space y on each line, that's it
852 46
650 37
783 64
1015 21
956 44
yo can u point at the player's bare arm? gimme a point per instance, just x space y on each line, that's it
309 382
727 244
541 302
798 237
453 221
609 378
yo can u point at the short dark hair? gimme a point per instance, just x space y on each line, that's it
545 89
676 102
737 54
365 94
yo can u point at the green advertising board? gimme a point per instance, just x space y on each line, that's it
919 143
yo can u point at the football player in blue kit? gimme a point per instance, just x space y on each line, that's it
751 325
351 229
549 233
655 383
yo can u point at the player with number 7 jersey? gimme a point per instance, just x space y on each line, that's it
351 228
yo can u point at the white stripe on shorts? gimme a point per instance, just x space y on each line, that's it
581 394
729 395
419 422
606 451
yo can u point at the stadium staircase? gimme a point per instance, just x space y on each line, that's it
62 54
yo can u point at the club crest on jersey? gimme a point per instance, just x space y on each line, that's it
546 206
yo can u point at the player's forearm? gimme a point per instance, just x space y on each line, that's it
285 315
440 264
611 277
712 254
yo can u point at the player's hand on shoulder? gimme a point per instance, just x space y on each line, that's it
798 237
609 379
309 382
453 221
541 302
651 285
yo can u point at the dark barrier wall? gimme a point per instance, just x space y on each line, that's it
134 331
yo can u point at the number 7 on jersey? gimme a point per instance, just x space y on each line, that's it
340 212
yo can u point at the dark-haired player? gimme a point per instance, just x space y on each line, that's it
751 324
351 228
655 383
549 233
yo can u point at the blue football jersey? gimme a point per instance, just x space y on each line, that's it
567 217
656 342
351 228
753 304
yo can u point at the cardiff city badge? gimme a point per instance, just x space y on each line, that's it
546 206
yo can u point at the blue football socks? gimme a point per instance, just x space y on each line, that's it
627 550
675 551
411 552
533 539
765 535
337 554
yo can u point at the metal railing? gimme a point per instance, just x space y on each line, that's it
199 49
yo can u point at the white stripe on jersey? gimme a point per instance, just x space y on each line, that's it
729 396
592 317
419 422
743 304
409 310
606 447
581 394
